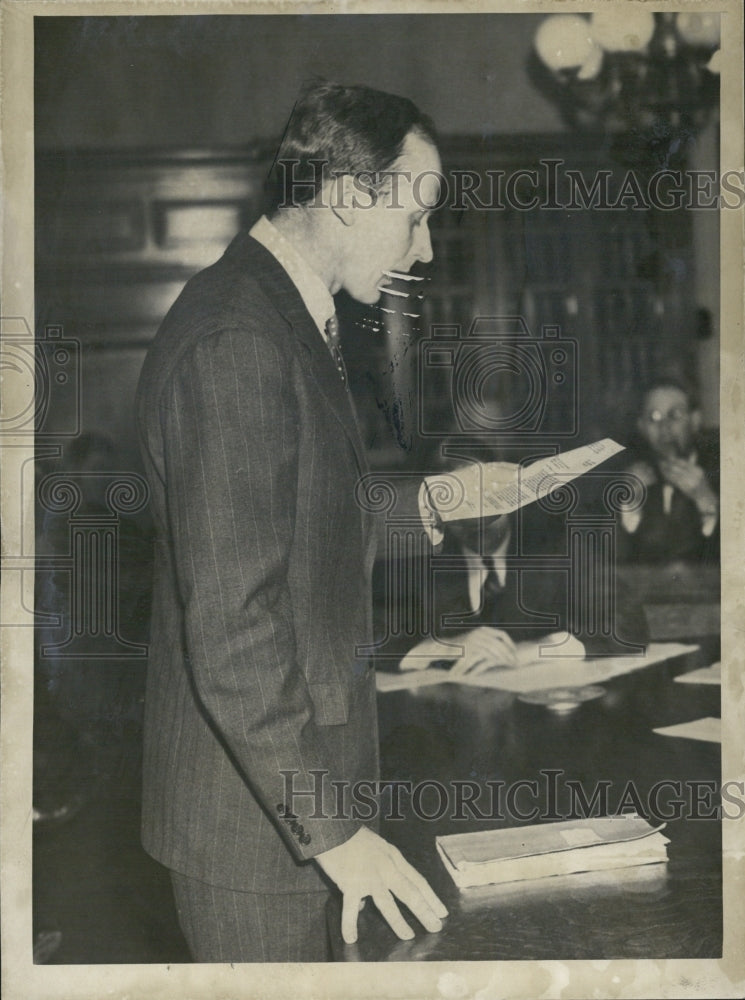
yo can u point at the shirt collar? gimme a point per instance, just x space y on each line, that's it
314 293
479 565
499 554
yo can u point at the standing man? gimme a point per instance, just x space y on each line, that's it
677 515
262 590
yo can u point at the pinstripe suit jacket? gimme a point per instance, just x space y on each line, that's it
262 583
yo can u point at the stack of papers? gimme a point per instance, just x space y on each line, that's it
544 850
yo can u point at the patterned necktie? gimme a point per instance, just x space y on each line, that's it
333 340
492 589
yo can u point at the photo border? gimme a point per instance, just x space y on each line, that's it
485 980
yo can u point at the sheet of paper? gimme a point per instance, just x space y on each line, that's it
531 651
482 491
708 729
386 681
704 675
551 672
557 671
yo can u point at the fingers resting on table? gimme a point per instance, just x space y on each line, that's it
366 865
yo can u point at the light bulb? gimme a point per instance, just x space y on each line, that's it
699 29
592 65
622 28
714 65
563 41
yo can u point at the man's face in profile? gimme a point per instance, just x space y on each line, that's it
667 423
389 228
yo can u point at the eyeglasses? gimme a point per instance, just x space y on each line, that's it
675 415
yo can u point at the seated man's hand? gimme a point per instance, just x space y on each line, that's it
484 648
439 486
560 645
431 520
366 865
688 477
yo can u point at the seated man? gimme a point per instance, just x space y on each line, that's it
675 513
498 583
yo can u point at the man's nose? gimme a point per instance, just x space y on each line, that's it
423 245
662 432
666 427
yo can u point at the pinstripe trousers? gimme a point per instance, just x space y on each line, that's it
225 925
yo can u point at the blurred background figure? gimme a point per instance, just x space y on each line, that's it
499 586
675 517
85 701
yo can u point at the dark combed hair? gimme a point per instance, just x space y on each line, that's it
334 130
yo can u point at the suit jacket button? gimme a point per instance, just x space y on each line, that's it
305 839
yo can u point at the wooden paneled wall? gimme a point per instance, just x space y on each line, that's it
118 234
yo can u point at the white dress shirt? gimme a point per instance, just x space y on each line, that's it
631 519
320 304
317 298
479 567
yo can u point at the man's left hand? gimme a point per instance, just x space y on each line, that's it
688 477
367 865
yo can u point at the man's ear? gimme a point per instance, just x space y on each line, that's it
341 195
695 421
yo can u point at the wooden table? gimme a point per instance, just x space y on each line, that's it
451 733
680 600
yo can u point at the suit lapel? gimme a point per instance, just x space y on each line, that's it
289 303
452 604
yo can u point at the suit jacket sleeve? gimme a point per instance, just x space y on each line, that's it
230 420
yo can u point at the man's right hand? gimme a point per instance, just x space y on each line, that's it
366 865
484 648
686 475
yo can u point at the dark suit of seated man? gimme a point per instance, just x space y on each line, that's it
498 583
675 513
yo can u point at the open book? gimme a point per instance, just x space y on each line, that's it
487 489
547 849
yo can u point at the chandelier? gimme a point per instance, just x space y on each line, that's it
628 69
